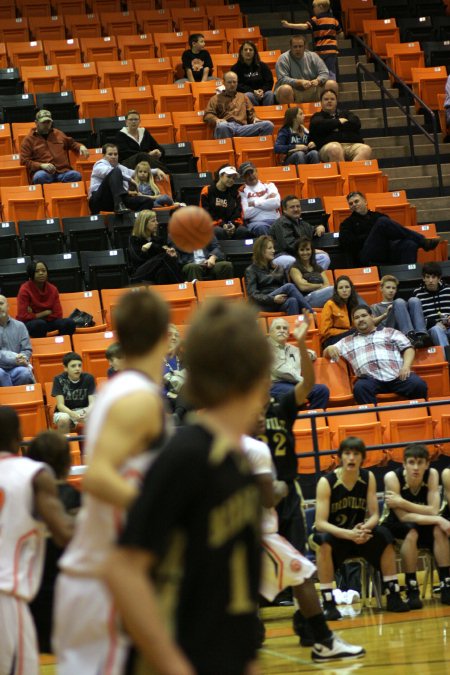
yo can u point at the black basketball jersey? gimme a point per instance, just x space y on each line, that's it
420 496
348 507
199 513
280 418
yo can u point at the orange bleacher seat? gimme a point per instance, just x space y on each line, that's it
236 36
171 4
160 126
309 109
24 202
19 131
75 76
116 73
119 23
170 44
99 49
407 425
154 71
102 6
216 41
428 83
223 63
303 443
3 56
270 58
92 347
63 51
284 177
191 19
181 298
440 415
355 13
141 5
83 25
8 9
155 20
96 103
47 358
14 30
440 253
203 91
136 46
312 336
366 281
65 200
110 297
257 149
34 8
379 32
403 56
6 142
338 209
173 97
214 153
432 366
395 205
225 16
362 176
25 53
134 98
86 301
68 8
274 113
224 288
40 79
364 425
319 180
85 164
12 173
336 377
28 402
190 126
47 28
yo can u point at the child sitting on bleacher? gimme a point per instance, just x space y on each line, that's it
146 186
115 359
74 392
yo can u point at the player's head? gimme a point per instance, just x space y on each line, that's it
416 450
227 357
52 448
11 434
141 320
416 460
352 445
73 365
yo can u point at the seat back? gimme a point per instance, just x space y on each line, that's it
226 288
92 347
86 301
47 357
259 150
365 425
432 366
395 205
405 425
28 402
214 153
304 443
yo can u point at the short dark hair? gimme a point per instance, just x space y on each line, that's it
31 268
418 450
226 353
11 433
195 37
432 268
297 37
352 443
71 356
141 319
114 351
108 145
355 193
328 91
288 199
362 306
132 112
52 448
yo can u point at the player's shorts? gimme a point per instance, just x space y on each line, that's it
425 537
342 549
282 566
86 636
19 653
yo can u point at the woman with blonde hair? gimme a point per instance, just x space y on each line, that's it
151 260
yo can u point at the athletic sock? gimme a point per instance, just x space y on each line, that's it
319 628
444 573
326 591
411 580
391 585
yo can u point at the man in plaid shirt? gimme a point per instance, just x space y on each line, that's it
381 359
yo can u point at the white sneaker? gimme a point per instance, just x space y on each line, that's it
338 649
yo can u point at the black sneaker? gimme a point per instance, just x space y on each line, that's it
331 611
445 592
431 244
302 628
413 594
394 603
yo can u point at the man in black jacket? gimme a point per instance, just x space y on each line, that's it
371 238
223 202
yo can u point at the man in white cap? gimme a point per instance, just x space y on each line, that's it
45 152
222 200
260 201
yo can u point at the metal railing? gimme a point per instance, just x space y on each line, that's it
377 78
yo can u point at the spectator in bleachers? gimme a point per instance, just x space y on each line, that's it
38 304
255 78
308 275
293 140
371 238
110 184
136 144
445 510
325 31
447 102
174 375
15 350
74 391
206 263
335 318
222 200
267 283
381 360
197 61
260 201
407 317
434 295
114 355
289 228
145 185
151 260
45 152
301 74
231 113
337 132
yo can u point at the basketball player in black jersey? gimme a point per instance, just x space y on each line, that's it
346 526
413 501
189 557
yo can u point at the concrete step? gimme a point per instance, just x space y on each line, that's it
431 210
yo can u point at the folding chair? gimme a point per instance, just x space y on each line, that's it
47 357
408 425
136 46
110 297
28 401
338 209
63 51
270 58
12 173
223 63
83 25
273 113
226 16
181 298
366 281
365 426
173 97
99 49
428 83
154 71
92 347
14 30
41 78
19 130
284 177
86 301
336 377
363 176
65 200
236 36
309 109
190 125
77 76
354 13
230 289
258 149
24 202
440 253
155 20
96 103
116 74
304 443
41 237
379 32
395 205
191 19
402 57
160 126
47 28
129 98
85 164
214 153
119 23
432 366
70 7
203 91
320 180
170 44
25 53
215 39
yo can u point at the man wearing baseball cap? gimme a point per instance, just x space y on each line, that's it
223 202
260 201
45 152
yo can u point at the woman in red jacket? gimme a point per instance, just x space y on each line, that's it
38 304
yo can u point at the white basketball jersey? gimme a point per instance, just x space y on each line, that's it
98 524
258 454
22 536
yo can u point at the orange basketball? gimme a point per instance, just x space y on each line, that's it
190 228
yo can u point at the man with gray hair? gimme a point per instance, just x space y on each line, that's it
15 350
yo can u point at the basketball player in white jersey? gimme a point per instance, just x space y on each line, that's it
28 502
126 422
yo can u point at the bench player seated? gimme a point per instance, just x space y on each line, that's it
412 515
346 526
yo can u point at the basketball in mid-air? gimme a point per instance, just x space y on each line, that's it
191 228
